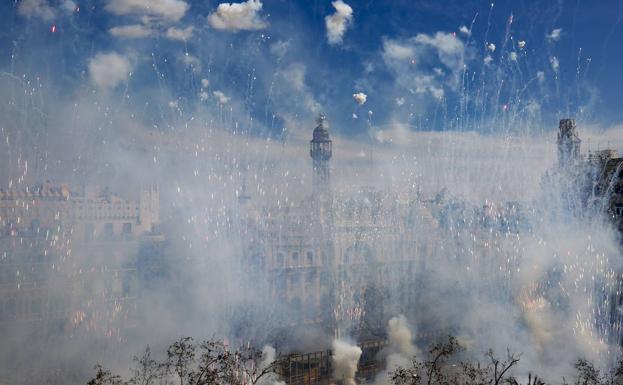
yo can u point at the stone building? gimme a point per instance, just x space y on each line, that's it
67 258
335 260
596 179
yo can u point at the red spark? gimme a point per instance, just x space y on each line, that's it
53 28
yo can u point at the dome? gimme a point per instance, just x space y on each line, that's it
321 132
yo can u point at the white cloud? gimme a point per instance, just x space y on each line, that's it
292 95
205 83
238 16
449 48
491 47
487 60
134 31
191 61
173 104
360 98
540 76
294 75
36 8
172 10
393 50
554 63
68 6
513 56
465 31
533 107
437 92
400 101
410 61
521 44
180 33
107 70
427 84
554 35
338 22
220 96
203 96
280 48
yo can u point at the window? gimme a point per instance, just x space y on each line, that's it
280 283
35 306
12 308
295 259
280 260
310 258
127 228
89 232
324 278
294 281
108 230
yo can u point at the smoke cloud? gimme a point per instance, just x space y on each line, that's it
338 22
345 359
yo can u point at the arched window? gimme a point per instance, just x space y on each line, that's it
280 260
359 252
295 259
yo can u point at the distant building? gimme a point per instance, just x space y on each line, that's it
596 180
568 142
66 257
328 257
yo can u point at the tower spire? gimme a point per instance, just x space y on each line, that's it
320 150
568 142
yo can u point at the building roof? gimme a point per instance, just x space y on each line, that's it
321 132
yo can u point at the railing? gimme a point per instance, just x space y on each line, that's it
316 368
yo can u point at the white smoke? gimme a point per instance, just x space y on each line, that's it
360 98
345 360
465 31
221 97
180 33
238 16
400 336
338 22
554 63
400 350
268 356
171 10
133 31
107 70
554 35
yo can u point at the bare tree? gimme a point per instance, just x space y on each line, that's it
147 371
500 368
104 377
443 368
209 363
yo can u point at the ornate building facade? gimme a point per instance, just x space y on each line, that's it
67 257
337 260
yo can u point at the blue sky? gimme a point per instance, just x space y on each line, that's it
271 66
